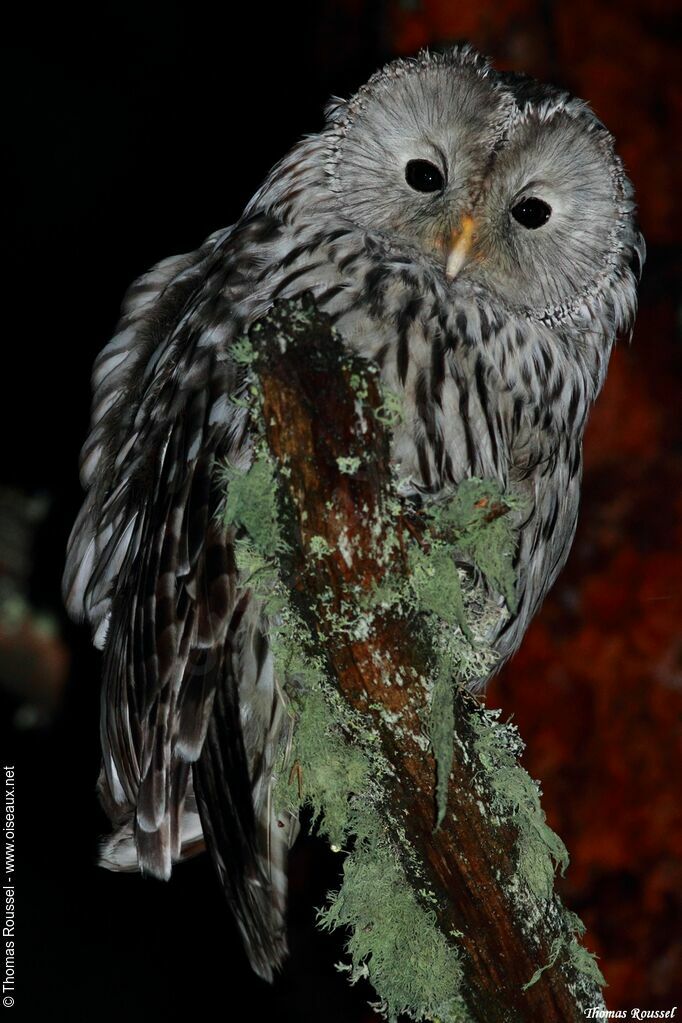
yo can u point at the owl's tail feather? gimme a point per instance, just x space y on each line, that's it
119 851
222 809
251 865
222 801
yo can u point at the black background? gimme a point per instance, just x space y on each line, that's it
134 132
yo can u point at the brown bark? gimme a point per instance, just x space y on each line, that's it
310 415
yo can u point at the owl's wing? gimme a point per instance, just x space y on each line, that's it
151 566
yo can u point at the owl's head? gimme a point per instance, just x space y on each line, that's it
502 183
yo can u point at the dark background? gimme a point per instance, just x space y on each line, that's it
134 133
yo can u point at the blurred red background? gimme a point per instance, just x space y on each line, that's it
596 688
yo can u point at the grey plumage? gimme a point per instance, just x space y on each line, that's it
498 334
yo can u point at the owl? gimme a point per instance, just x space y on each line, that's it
469 232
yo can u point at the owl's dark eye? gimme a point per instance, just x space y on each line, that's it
424 176
532 213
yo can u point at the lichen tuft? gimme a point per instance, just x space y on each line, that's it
251 503
516 797
394 941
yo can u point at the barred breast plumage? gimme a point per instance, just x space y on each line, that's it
496 334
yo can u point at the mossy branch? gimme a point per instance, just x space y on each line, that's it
448 883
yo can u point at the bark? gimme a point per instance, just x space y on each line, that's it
312 418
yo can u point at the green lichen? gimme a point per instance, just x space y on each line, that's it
334 766
516 798
567 950
461 527
337 770
441 732
243 352
470 517
579 957
540 852
360 384
329 770
461 660
318 547
558 945
391 411
349 465
251 503
585 963
434 579
394 941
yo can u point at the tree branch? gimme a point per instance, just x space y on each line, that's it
489 863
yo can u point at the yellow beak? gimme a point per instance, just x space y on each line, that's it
460 247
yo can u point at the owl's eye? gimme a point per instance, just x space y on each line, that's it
532 213
424 176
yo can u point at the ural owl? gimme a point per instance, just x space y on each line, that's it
470 232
